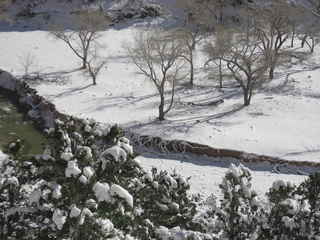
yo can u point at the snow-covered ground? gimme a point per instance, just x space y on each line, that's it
282 121
206 174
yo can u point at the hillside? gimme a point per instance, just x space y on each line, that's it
282 120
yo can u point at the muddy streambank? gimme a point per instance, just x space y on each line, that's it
43 113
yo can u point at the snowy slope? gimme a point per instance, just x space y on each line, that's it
281 122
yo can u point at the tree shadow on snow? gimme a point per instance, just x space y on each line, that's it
50 78
288 86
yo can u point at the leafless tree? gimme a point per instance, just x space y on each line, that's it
222 11
271 27
87 24
193 16
295 19
313 7
311 30
310 34
26 60
217 53
157 54
244 58
94 65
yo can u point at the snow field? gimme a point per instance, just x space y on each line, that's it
282 120
205 175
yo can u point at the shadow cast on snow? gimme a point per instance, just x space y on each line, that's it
185 124
57 77
286 86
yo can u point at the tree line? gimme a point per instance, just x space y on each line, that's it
243 41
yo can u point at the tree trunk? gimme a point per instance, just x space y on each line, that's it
193 46
232 218
191 66
247 97
293 29
191 72
313 44
271 72
84 61
292 38
220 73
161 107
303 40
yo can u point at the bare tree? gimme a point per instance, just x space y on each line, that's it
313 7
87 24
198 18
26 60
220 15
94 65
271 26
217 53
157 54
311 30
222 11
294 20
244 58
310 34
193 16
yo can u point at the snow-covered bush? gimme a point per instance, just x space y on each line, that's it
27 11
167 203
308 217
238 215
281 200
141 9
294 211
15 214
87 184
288 212
134 9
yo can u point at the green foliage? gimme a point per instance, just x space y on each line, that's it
308 218
87 185
167 203
295 211
240 211
15 218
289 212
279 207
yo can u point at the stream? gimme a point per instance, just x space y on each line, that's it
15 125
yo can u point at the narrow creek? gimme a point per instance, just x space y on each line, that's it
15 125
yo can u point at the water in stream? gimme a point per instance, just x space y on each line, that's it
15 125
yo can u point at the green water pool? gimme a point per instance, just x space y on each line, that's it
15 125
